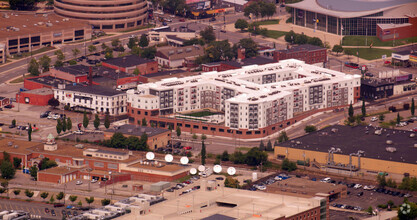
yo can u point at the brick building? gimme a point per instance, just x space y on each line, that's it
157 137
4 101
388 32
310 54
83 161
128 64
172 57
38 82
39 96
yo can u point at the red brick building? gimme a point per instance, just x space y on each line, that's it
4 101
128 64
389 32
310 54
39 96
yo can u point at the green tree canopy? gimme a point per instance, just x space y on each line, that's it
107 121
33 67
45 62
310 128
250 46
255 156
7 170
85 120
208 34
148 52
337 49
96 122
241 24
143 41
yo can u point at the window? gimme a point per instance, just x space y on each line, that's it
98 164
112 166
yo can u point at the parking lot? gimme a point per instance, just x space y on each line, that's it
34 208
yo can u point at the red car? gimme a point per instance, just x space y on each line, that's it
187 148
182 19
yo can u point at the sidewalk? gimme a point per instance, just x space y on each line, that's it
383 216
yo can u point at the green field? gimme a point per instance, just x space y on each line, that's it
369 53
200 114
275 34
361 41
267 22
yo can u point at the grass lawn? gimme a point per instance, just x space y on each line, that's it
200 114
27 54
267 22
275 34
361 41
139 28
370 53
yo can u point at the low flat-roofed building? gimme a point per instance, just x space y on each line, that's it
35 97
128 64
237 204
3 53
380 149
25 32
157 137
44 81
174 37
308 53
172 57
58 175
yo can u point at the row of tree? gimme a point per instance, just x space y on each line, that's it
294 38
118 140
44 164
58 197
260 8
7 167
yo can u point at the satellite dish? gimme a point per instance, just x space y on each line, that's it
169 158
217 168
231 171
184 160
193 171
150 156
201 168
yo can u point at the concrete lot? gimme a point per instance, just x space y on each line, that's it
34 208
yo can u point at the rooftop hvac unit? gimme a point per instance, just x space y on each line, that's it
391 149
378 132
412 135
389 142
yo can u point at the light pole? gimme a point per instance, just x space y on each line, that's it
111 195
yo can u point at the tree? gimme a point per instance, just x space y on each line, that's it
60 196
255 156
178 131
58 126
44 195
52 199
85 120
231 182
45 62
194 41
115 43
301 39
7 170
29 193
105 202
16 162
217 51
241 24
89 200
59 55
132 42
398 118
381 180
310 128
16 192
203 153
6 156
64 124
33 67
69 124
92 48
96 122
22 4
283 137
174 6
262 146
14 122
148 53
337 49
143 41
107 121
370 210
46 163
75 52
33 171
269 146
315 41
208 34
404 214
250 46
80 203
108 53
203 137
412 109
5 185
363 109
103 46
73 198
144 123
225 156
252 10
53 102
288 165
136 72
350 111
381 117
290 36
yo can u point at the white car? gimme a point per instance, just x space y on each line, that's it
79 182
374 119
94 181
277 178
357 186
260 187
370 187
56 117
326 180
78 132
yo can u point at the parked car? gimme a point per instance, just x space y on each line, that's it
56 205
94 181
187 148
357 186
79 132
45 114
374 119
213 19
182 19
53 212
79 182
12 126
352 65
9 106
360 194
219 178
46 210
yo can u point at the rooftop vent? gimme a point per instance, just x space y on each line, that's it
10 143
16 146
378 132
412 135
389 142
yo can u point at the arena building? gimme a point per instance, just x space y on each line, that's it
251 102
105 15
25 32
355 150
363 17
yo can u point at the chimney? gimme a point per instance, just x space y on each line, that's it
90 75
240 54
276 56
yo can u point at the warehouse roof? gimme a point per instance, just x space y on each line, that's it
128 61
352 139
93 89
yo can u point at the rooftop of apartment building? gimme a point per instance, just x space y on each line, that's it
136 130
92 89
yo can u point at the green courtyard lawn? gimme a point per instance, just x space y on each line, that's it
267 22
369 53
275 34
376 42
201 114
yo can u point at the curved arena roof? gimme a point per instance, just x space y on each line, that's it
355 8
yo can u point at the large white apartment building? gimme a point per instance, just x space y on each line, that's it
97 99
253 97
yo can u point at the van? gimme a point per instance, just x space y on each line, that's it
326 180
